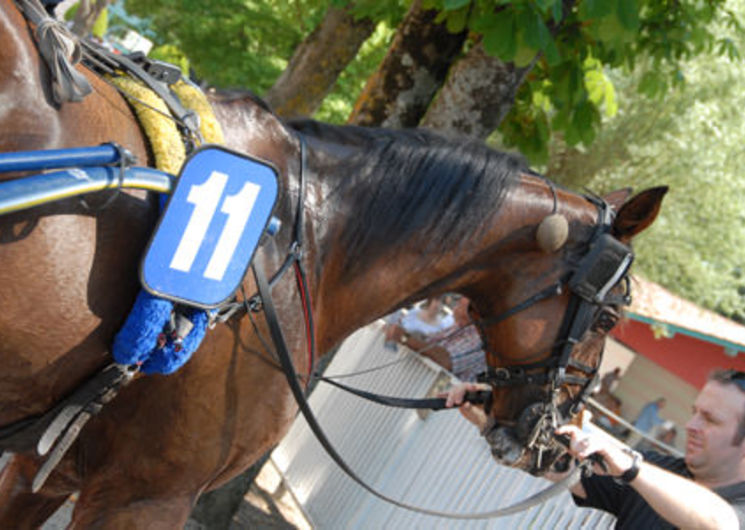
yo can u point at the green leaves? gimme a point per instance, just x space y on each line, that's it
500 34
451 5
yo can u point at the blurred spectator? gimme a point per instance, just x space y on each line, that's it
458 348
609 380
664 433
427 319
649 417
613 404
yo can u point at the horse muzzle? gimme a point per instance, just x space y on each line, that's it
529 445
505 447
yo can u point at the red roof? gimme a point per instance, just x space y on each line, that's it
654 304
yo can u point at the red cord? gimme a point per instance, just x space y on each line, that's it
305 297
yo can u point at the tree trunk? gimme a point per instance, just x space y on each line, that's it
415 67
479 92
317 63
86 15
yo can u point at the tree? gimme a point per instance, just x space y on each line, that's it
232 43
317 62
413 70
88 17
479 92
569 42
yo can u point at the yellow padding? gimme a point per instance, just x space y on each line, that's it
161 131
193 98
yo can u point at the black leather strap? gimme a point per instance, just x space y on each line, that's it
479 398
285 360
94 56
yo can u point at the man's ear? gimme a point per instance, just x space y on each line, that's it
638 213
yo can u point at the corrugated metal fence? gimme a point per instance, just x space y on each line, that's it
439 462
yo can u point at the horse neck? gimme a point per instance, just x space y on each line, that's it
396 278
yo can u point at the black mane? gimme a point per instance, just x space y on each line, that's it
409 186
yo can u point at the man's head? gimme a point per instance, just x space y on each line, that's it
661 402
715 448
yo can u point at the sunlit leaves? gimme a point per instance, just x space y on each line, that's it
691 141
232 43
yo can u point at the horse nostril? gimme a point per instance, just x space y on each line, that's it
504 446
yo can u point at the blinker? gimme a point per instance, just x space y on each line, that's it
601 268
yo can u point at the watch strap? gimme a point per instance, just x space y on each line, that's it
632 472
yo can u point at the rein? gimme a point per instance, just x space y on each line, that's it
509 375
288 368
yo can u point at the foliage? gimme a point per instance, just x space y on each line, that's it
232 43
171 54
574 40
690 141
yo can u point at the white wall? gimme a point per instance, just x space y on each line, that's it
440 462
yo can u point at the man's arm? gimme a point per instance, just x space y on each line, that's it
677 499
680 501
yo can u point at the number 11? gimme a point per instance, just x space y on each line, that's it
206 198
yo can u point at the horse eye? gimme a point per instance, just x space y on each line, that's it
606 320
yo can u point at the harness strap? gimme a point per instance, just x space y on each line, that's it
59 428
288 368
184 117
60 50
482 397
40 432
550 291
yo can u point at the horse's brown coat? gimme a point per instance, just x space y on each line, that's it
68 277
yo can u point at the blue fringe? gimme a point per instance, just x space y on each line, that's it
137 341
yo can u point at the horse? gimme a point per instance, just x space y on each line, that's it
389 217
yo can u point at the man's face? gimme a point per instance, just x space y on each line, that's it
710 432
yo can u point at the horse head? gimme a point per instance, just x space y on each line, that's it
555 288
416 214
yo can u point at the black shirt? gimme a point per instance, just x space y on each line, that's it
632 511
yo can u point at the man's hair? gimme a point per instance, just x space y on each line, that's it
725 377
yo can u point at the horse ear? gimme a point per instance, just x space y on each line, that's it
616 198
638 213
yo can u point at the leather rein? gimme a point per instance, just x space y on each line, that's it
589 298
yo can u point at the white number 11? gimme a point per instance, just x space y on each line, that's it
206 198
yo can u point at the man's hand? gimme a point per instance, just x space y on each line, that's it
473 413
583 444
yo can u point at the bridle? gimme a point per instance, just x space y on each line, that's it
604 265
593 298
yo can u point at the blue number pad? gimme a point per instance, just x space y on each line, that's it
211 227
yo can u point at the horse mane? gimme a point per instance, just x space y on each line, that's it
409 186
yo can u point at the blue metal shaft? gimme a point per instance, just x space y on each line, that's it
35 190
99 155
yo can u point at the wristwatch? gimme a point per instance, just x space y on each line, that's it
631 473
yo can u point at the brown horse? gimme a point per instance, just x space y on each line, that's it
390 217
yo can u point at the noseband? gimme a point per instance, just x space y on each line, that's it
591 306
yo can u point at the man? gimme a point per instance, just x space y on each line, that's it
706 489
649 417
609 380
